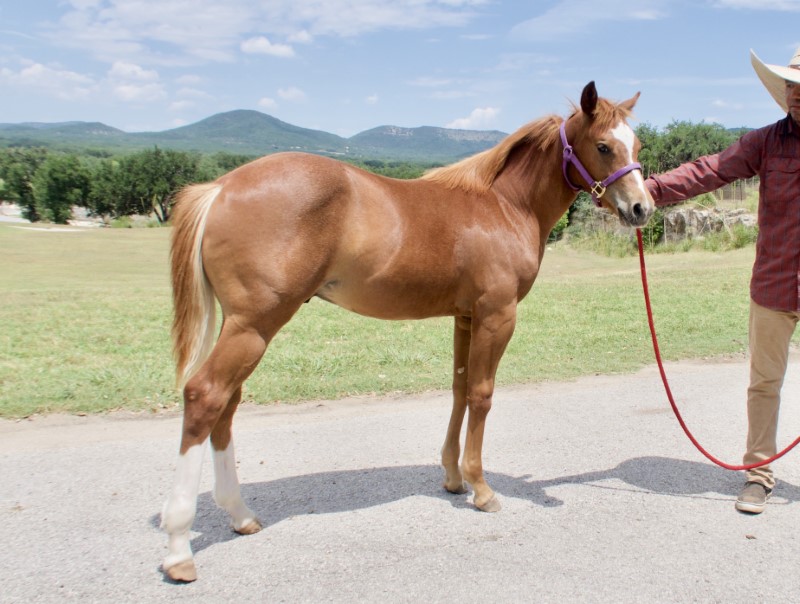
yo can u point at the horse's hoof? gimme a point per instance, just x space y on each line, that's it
182 572
251 528
493 505
457 490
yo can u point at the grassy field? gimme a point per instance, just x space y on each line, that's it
85 325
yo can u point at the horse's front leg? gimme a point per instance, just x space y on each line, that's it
490 335
451 451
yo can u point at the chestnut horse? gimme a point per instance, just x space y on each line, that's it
464 241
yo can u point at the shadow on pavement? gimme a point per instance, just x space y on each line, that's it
331 492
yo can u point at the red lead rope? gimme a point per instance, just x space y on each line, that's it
669 392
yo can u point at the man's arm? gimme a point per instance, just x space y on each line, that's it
707 173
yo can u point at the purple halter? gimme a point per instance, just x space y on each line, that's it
596 188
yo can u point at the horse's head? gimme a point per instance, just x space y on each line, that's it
602 160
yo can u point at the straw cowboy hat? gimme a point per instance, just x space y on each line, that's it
774 77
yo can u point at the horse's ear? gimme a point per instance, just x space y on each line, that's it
589 99
630 102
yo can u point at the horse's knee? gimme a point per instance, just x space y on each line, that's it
480 402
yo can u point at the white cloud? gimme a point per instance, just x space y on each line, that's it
122 70
481 117
177 32
292 94
85 4
301 37
267 103
263 46
572 16
133 84
189 80
347 18
780 5
156 31
371 99
722 104
56 82
193 93
139 93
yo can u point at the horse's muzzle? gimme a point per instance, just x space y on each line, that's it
637 214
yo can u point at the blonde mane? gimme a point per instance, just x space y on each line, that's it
478 172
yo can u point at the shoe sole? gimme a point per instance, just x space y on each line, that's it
750 508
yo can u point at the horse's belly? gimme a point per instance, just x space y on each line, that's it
390 301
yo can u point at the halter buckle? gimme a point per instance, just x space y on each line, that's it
598 190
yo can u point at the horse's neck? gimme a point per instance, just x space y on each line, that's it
533 181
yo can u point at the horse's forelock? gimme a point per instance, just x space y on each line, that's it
608 115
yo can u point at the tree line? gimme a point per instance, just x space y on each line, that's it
46 184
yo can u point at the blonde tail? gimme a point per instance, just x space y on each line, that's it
194 322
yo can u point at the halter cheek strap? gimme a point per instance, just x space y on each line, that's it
596 188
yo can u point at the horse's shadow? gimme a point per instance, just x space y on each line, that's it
342 491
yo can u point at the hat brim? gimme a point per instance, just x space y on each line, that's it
774 78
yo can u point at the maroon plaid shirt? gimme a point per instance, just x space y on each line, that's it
773 154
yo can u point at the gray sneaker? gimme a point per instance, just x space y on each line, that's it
753 498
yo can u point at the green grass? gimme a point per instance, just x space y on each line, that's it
85 326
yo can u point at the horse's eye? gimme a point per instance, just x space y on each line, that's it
603 148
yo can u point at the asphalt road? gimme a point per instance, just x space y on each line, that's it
605 500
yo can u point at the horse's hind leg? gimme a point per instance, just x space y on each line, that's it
207 396
227 493
453 481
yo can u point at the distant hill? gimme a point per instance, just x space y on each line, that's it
255 133
424 142
245 131
62 135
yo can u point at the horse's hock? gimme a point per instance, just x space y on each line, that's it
682 222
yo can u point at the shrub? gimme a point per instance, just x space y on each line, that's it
653 231
561 226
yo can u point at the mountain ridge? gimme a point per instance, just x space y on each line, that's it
251 132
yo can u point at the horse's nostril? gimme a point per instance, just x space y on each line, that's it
637 210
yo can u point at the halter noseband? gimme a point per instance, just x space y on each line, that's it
596 188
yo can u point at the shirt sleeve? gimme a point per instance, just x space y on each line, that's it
708 173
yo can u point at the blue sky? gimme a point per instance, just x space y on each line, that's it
349 65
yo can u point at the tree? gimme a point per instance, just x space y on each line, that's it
60 182
148 181
225 162
650 153
680 142
17 169
105 187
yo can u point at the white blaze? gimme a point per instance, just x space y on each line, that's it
624 134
